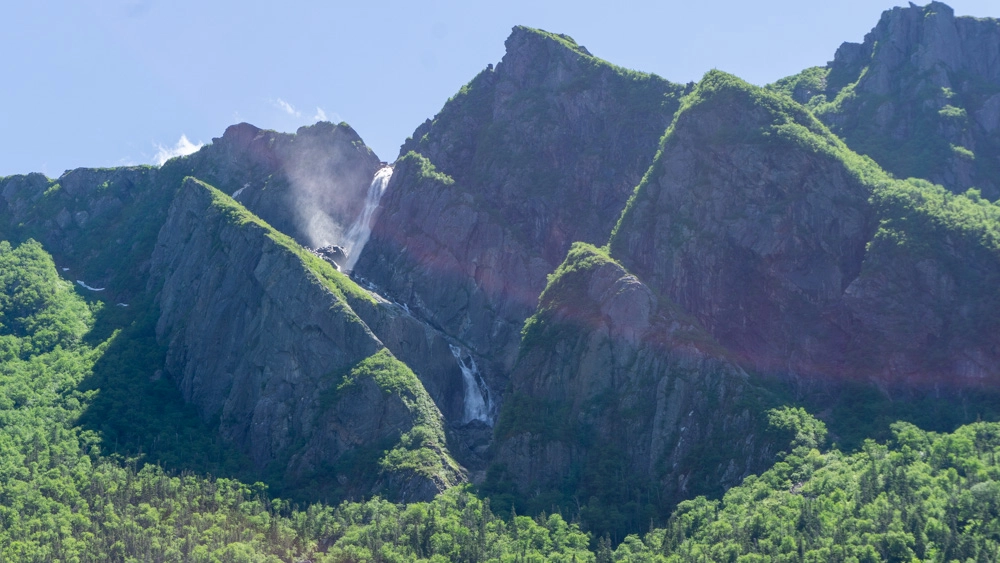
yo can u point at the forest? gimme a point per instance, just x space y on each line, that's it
65 495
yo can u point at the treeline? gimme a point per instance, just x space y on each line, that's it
922 496
62 498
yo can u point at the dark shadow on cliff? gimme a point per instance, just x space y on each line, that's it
138 412
856 410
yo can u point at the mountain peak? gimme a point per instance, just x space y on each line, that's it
522 36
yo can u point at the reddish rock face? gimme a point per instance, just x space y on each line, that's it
922 83
310 185
537 153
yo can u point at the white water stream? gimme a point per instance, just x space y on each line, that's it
361 229
85 286
476 407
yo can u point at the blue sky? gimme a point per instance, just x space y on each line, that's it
114 82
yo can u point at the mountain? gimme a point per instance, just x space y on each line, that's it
757 243
487 197
920 95
589 295
801 257
266 342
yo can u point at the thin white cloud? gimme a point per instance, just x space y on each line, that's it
183 147
320 115
288 108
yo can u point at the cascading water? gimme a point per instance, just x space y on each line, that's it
476 406
361 229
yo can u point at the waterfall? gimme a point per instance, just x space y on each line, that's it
476 407
357 235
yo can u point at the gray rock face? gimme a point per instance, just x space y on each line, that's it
610 376
918 96
310 185
99 223
924 314
802 259
530 156
262 341
429 353
756 237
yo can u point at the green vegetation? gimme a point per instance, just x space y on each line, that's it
422 448
916 130
563 285
923 496
338 284
61 499
806 87
758 116
426 168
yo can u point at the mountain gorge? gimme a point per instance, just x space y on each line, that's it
589 295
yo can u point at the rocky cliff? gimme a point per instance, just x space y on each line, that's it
310 185
778 239
920 95
260 337
102 223
485 200
753 222
98 224
757 243
620 399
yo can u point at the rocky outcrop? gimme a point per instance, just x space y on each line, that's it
260 337
757 242
98 223
924 309
751 228
102 223
485 200
310 185
921 96
803 258
620 397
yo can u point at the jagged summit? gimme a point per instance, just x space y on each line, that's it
310 184
752 219
537 52
536 153
920 95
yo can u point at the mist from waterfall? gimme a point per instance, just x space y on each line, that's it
476 406
361 229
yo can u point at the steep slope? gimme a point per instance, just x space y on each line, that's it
752 221
310 185
757 241
101 226
102 223
259 335
98 224
920 95
485 200
801 257
623 402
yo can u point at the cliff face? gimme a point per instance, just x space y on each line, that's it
530 156
102 223
620 396
801 257
757 241
310 185
98 224
751 222
920 95
260 337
